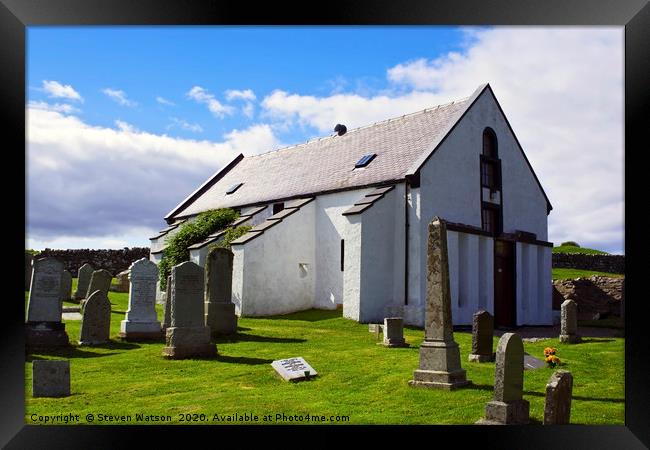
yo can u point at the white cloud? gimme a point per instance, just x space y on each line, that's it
164 101
562 90
185 125
92 182
58 90
233 94
119 96
58 107
202 95
248 110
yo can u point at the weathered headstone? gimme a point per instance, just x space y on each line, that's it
141 321
557 409
508 406
167 318
66 285
96 320
569 323
29 259
83 280
219 308
188 336
122 282
394 332
100 280
294 369
376 329
482 332
44 327
439 354
50 378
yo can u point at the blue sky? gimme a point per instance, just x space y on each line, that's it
124 122
151 62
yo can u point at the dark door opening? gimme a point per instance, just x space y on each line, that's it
505 294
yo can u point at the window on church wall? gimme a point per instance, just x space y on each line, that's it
490 163
490 219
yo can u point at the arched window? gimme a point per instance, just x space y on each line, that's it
490 143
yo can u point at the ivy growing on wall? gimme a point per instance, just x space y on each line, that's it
190 233
230 235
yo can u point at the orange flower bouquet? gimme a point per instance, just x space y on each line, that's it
551 359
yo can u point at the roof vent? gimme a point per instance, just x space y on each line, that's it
340 129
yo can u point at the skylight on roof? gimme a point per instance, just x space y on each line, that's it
363 162
233 188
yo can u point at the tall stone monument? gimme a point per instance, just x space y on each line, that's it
141 321
66 285
83 280
508 406
96 320
569 323
439 354
44 327
122 282
557 408
188 336
482 331
219 308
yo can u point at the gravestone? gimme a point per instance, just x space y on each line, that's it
394 332
482 332
122 282
29 259
66 285
439 354
141 322
569 323
508 406
50 378
44 327
100 280
294 369
188 336
532 363
167 318
376 329
557 409
96 319
83 280
219 308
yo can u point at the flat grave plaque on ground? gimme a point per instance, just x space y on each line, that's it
532 363
294 369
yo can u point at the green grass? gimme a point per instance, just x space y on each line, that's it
573 249
357 377
566 274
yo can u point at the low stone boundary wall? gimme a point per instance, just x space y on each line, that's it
596 297
115 261
598 263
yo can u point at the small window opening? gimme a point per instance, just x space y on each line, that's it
233 188
365 160
342 253
277 207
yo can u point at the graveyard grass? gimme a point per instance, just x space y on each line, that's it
357 378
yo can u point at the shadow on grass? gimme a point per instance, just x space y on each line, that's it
578 397
479 387
243 360
311 315
122 313
243 337
64 352
590 340
243 328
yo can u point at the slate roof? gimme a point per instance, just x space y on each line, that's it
402 144
327 164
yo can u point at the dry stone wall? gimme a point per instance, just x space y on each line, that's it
115 261
596 297
598 263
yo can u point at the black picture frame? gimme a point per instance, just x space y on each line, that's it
634 15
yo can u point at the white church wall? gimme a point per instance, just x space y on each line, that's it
352 272
534 301
275 271
331 227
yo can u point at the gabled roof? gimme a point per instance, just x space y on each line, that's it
402 146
